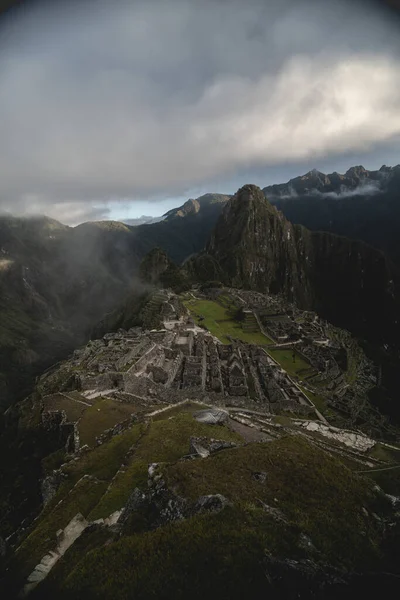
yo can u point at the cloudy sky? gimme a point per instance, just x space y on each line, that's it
113 109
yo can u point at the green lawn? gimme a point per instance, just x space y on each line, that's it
164 441
299 368
103 415
318 400
72 408
219 321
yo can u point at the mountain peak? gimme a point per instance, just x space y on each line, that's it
249 193
195 205
250 200
358 171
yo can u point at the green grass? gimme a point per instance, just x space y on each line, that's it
219 321
104 414
164 441
101 463
81 499
208 556
319 401
168 440
300 368
53 461
223 555
386 454
93 537
314 490
388 480
72 408
117 495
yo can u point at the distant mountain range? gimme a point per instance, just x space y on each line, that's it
143 220
360 204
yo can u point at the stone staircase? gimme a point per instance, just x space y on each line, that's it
250 324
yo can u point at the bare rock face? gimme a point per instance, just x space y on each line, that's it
161 505
211 503
50 485
154 264
203 447
211 416
65 538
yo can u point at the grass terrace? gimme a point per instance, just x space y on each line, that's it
219 320
103 415
298 368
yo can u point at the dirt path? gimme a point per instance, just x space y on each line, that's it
249 434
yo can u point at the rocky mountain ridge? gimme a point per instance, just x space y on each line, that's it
316 182
360 204
193 206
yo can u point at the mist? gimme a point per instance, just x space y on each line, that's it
364 189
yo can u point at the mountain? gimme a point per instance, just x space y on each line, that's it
360 204
350 283
208 203
57 282
143 220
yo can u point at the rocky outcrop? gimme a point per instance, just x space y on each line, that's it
203 447
212 416
50 484
153 265
161 506
65 538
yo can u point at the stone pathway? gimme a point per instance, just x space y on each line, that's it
249 434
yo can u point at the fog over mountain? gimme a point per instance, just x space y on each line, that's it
103 104
143 220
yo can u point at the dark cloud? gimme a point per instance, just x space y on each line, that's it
107 100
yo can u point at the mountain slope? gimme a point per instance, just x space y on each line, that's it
57 282
129 490
211 203
360 204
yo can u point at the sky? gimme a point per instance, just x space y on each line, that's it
114 109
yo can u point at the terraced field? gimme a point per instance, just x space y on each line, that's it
220 321
292 362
